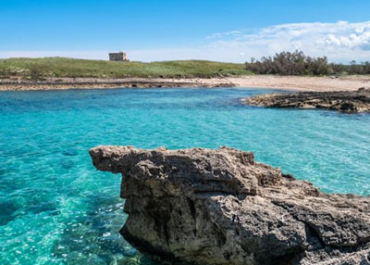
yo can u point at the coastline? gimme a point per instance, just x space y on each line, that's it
290 83
109 83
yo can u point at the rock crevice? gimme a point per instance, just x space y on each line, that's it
203 206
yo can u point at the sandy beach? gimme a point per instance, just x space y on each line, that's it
302 83
294 83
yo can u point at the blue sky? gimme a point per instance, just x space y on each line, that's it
165 29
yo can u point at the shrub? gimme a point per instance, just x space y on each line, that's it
297 63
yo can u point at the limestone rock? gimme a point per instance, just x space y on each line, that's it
342 101
217 207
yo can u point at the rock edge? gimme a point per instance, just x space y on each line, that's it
203 206
342 101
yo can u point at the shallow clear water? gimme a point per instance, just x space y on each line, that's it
55 208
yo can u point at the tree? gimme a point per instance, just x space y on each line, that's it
297 63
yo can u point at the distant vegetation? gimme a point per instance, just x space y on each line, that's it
297 63
64 67
284 63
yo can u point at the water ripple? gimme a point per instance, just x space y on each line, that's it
57 209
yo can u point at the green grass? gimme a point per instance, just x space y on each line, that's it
65 67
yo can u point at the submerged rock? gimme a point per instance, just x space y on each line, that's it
202 206
342 101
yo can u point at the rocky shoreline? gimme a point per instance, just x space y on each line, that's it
342 101
220 207
91 83
292 83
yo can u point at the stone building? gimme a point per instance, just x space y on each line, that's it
118 56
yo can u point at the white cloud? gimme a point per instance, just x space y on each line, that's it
341 42
224 34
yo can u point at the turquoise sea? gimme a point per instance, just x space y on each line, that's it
55 208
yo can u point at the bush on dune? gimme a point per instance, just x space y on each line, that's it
297 63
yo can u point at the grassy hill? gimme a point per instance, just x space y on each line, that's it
66 67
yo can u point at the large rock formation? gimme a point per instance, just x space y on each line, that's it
342 101
218 207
